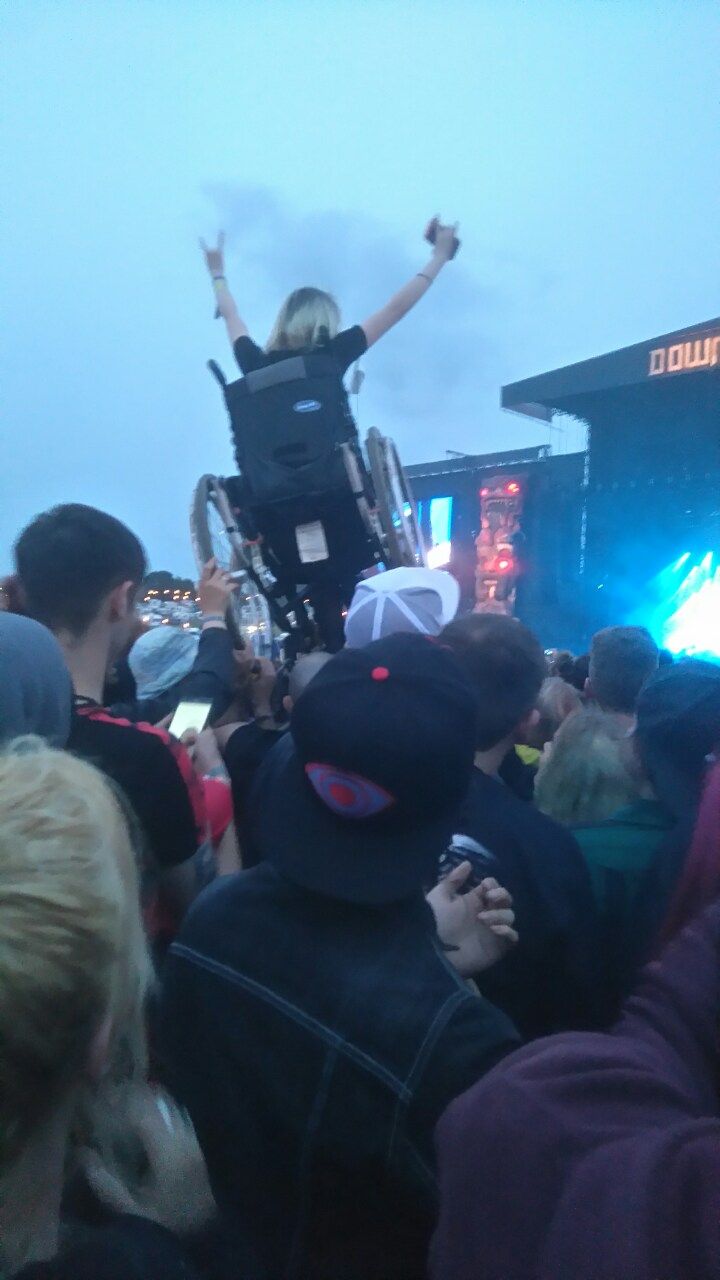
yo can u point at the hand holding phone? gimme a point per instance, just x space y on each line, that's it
442 238
190 716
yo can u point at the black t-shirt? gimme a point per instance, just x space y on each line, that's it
156 776
549 981
345 348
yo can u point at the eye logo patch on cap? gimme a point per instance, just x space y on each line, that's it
347 794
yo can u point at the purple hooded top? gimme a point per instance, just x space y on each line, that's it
596 1156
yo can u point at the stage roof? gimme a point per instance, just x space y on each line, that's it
479 461
686 352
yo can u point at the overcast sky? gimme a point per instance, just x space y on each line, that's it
577 142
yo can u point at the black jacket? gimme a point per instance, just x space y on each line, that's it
315 1045
550 981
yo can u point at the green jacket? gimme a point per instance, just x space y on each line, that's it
620 854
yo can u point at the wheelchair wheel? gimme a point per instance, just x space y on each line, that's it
215 533
395 502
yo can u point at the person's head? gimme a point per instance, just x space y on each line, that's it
589 771
505 667
161 657
578 677
73 961
78 566
560 663
622 660
411 599
677 731
307 318
380 759
302 672
556 701
35 685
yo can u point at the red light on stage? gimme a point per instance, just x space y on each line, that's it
505 565
513 487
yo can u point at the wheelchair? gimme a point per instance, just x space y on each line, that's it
309 512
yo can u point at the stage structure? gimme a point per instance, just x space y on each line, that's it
650 533
508 526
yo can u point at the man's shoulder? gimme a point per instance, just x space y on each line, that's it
491 805
249 745
139 756
225 900
103 730
636 827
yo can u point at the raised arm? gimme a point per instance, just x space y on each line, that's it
215 263
444 248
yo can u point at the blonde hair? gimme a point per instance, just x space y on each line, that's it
307 318
589 771
556 701
72 948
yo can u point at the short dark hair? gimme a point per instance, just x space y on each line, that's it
69 558
622 659
505 665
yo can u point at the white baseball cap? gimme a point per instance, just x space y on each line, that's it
409 599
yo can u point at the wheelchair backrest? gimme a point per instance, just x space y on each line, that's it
288 420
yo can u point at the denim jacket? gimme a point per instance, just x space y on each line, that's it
315 1045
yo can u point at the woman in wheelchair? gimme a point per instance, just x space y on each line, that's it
290 413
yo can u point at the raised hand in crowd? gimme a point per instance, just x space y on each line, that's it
225 303
477 926
444 238
445 245
174 1189
215 257
214 590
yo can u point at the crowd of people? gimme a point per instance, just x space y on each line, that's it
407 965
400 963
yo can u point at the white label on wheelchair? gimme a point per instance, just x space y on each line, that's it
311 542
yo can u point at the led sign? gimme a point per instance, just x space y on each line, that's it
683 357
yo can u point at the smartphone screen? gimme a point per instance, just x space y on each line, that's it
189 715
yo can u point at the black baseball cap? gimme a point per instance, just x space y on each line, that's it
365 794
678 727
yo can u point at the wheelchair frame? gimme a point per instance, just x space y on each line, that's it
261 617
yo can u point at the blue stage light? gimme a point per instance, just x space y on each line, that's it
684 616
683 560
